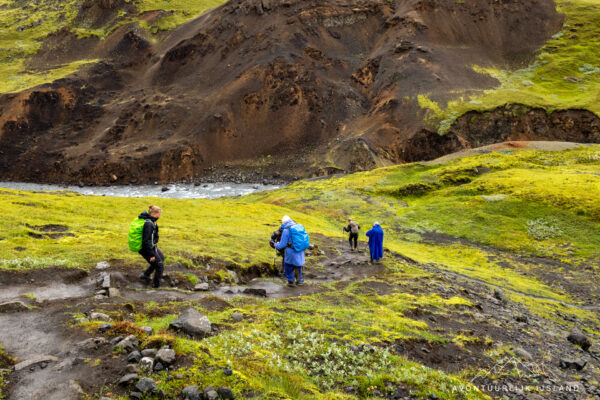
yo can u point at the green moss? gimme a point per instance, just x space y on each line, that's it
565 73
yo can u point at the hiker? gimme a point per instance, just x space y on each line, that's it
294 240
375 236
353 229
276 237
149 249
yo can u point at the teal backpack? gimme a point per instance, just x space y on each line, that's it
134 236
299 238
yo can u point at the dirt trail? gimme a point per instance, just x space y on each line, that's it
43 332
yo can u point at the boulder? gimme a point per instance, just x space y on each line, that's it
13 306
166 356
113 292
580 340
102 265
105 283
201 287
134 357
146 363
128 379
192 323
191 393
210 393
146 385
523 354
129 344
237 316
99 316
225 393
148 330
149 353
158 367
572 364
105 327
33 362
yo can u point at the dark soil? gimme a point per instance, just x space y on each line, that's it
259 90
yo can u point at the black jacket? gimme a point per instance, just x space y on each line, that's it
149 234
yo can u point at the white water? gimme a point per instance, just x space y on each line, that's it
176 190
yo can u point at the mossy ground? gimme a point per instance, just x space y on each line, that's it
565 73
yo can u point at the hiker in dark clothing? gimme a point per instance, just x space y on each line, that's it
149 250
276 237
353 228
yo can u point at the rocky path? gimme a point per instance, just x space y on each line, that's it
57 361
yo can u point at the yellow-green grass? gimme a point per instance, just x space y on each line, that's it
565 73
433 214
180 11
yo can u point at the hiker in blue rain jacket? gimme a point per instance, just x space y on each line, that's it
375 236
294 260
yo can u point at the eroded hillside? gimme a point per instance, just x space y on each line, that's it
269 88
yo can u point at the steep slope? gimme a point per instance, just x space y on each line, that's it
293 88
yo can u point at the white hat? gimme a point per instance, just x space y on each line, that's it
285 219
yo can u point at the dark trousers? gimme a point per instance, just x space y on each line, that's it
156 266
353 237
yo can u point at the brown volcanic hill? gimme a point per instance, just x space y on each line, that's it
279 87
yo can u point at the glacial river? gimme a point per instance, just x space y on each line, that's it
175 190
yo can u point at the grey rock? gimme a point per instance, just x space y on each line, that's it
82 320
192 323
227 371
134 357
102 265
129 344
146 363
148 330
105 281
128 379
225 393
165 356
580 340
146 385
115 340
135 396
99 316
113 292
158 367
191 393
575 386
92 343
523 354
237 316
132 369
202 287
105 327
33 362
210 394
149 353
572 364
13 306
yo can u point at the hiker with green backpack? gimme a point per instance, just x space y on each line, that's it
295 241
143 238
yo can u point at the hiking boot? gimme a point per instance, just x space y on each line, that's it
290 284
145 277
299 283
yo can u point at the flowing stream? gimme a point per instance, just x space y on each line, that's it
175 190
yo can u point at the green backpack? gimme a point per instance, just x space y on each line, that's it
134 236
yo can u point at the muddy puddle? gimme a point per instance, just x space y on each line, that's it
172 191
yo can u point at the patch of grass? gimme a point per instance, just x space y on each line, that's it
565 74
180 11
5 363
